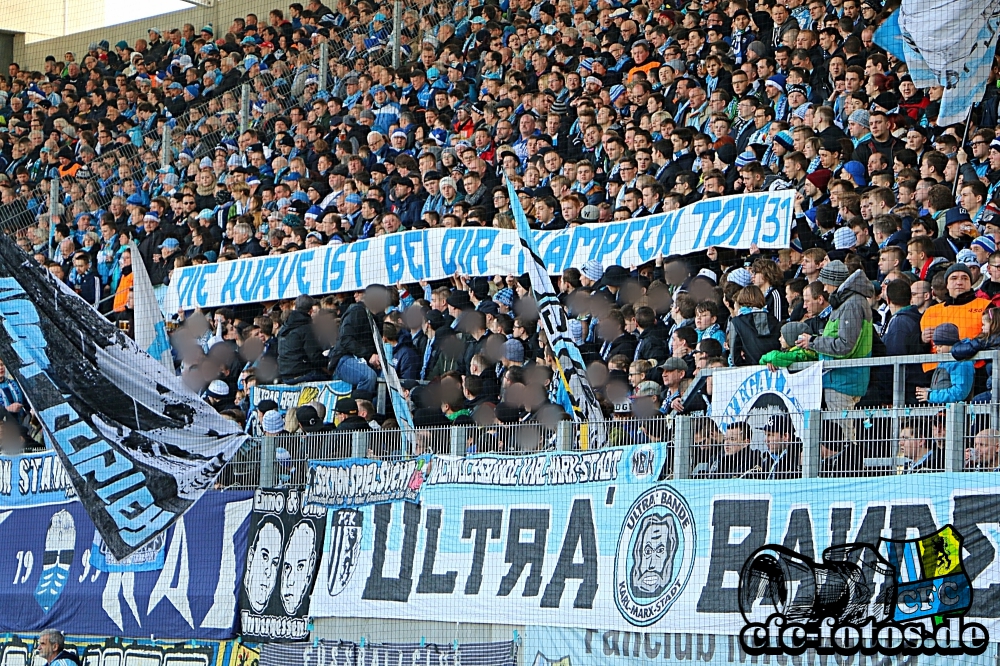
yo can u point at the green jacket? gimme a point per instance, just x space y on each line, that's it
783 359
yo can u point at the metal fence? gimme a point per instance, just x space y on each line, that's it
864 442
886 442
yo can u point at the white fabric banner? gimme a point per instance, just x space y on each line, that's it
764 218
753 393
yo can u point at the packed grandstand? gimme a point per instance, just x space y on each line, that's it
208 146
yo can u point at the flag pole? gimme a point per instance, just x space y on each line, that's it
965 137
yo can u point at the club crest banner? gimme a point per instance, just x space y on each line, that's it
737 221
286 538
139 447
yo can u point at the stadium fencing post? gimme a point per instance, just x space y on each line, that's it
457 441
397 28
244 107
898 385
267 457
359 444
812 433
954 436
683 441
324 64
565 434
165 152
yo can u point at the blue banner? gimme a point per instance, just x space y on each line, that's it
558 646
354 482
598 540
50 579
34 479
764 218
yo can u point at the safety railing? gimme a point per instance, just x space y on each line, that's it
886 442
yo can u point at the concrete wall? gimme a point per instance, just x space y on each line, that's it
31 55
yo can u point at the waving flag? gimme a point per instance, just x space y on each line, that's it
150 329
399 406
947 43
572 371
139 447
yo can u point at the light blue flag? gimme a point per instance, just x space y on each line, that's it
402 410
947 43
572 370
150 329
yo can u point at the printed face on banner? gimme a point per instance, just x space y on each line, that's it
262 564
297 566
286 536
655 557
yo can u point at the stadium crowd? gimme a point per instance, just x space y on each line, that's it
598 112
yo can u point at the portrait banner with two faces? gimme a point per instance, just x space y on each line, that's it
285 545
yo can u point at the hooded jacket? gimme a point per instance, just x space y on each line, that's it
355 338
848 334
298 351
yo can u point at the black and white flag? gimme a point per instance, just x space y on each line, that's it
139 447
572 370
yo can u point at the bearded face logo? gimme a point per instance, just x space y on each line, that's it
653 556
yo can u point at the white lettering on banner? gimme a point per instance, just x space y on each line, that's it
485 545
358 484
554 470
737 221
41 474
274 626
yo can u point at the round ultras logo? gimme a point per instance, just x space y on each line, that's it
656 551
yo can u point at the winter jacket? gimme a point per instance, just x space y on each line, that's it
355 336
902 338
405 359
653 344
784 358
298 351
951 382
848 334
713 332
751 335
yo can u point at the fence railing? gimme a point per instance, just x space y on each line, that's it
855 443
820 450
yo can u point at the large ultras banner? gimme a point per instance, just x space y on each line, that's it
597 540
139 447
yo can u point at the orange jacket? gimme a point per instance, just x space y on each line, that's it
121 294
966 313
